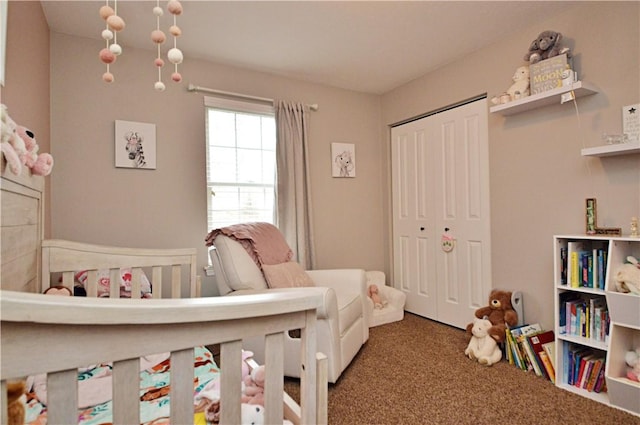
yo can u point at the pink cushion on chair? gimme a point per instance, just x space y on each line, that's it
286 275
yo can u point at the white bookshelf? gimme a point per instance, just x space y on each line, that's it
549 97
624 329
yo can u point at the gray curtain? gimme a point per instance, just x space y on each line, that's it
293 197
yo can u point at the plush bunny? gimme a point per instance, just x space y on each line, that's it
13 146
481 346
39 163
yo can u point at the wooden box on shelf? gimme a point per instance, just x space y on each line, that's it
623 392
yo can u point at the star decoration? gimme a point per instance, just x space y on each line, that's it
632 110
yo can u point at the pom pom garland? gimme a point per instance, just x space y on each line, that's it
174 55
114 23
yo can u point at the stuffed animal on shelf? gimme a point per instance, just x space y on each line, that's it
499 312
374 293
481 346
16 402
627 277
13 146
20 148
632 358
519 88
39 163
547 45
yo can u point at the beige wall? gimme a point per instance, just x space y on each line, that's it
26 89
95 202
539 180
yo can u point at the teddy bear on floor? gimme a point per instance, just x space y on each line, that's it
374 293
499 312
547 45
481 346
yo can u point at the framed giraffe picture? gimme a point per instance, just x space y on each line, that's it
135 145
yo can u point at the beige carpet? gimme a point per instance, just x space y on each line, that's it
415 372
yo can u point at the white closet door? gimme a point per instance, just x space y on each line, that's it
441 181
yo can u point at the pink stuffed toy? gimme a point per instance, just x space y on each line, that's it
13 146
40 164
374 294
254 387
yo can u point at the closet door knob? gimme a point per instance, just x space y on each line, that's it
422 229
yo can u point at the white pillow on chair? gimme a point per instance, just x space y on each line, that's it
241 272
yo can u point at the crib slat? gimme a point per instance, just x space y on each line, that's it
92 283
114 283
274 371
182 387
176 278
62 397
67 280
230 379
156 281
136 282
126 392
308 372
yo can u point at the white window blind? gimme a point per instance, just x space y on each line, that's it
241 142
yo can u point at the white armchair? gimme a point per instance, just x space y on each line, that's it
343 321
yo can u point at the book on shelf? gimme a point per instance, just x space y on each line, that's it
601 382
594 373
584 263
564 297
547 74
563 265
573 252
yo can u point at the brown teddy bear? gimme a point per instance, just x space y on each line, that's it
16 402
499 312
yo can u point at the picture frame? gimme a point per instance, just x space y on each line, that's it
591 221
135 145
343 160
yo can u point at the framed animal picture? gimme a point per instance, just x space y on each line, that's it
343 160
135 145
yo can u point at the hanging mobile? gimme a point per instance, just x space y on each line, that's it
448 241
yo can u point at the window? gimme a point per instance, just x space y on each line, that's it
241 162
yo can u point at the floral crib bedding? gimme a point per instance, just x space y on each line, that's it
94 390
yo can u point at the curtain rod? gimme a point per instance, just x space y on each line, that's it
313 107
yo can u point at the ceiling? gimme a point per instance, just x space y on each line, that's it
366 46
